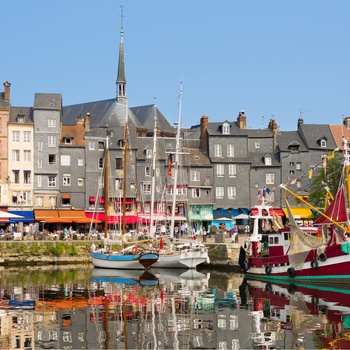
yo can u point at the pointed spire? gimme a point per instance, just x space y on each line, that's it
121 82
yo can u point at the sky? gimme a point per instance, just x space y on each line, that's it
273 59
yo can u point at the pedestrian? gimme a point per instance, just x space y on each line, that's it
65 234
234 233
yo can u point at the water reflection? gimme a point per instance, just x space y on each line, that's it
101 309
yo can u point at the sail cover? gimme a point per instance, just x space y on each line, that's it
336 210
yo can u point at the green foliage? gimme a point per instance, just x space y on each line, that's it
317 194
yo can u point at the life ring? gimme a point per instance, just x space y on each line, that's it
291 289
268 269
291 272
322 257
314 264
134 250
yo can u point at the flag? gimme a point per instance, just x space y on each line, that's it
310 176
170 173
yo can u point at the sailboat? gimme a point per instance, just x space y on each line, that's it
186 255
293 254
128 257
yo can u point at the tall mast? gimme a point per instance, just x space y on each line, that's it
125 168
153 169
177 150
106 181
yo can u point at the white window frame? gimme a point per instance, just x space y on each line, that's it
51 141
39 181
26 136
15 136
220 170
147 171
27 177
52 181
91 145
65 160
323 143
27 155
231 192
66 180
257 144
149 153
230 150
39 201
226 128
40 145
80 161
219 192
195 175
51 123
217 150
268 160
146 188
232 170
270 178
196 192
40 163
80 181
15 155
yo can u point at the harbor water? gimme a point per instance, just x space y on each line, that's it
87 308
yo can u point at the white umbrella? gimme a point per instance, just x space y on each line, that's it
241 216
4 214
223 219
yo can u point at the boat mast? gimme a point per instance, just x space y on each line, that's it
106 186
126 147
177 150
153 170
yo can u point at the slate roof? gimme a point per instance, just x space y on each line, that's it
27 112
288 138
48 101
214 129
311 133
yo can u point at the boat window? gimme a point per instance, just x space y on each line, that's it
276 240
286 236
270 240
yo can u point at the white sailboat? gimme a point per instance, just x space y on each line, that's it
187 254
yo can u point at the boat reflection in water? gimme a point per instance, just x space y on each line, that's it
287 314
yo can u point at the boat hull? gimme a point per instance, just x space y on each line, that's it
126 262
334 267
181 260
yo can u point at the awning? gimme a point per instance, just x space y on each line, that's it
127 201
71 214
4 219
43 215
299 213
28 216
114 219
97 216
102 200
279 212
92 199
66 196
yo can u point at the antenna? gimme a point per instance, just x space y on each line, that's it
301 112
121 15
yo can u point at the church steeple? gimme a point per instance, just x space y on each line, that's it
121 82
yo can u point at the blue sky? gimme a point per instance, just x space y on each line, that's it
273 59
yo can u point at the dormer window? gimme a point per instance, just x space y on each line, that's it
68 139
294 146
20 118
226 128
268 160
322 141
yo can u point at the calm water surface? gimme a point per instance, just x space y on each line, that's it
86 308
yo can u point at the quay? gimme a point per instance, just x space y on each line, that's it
223 254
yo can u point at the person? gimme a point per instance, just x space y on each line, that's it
234 233
65 234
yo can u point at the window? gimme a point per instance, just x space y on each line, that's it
323 143
39 201
26 197
15 155
119 163
147 171
15 176
270 179
40 145
220 170
100 163
91 145
53 201
66 179
291 163
298 167
101 181
27 155
80 181
196 193
20 119
26 176
219 192
257 144
65 199
80 162
52 181
15 136
146 188
39 181
101 145
67 140
230 150
298 183
217 150
65 160
51 123
40 163
231 192
148 153
232 170
291 172
52 158
51 141
195 175
26 136
226 128
268 161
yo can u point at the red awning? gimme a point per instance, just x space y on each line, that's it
92 199
117 219
127 201
102 200
279 212
98 216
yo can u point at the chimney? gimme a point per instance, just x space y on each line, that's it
7 91
87 122
242 120
80 120
204 125
273 127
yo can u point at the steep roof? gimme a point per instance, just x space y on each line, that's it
27 112
47 101
75 132
312 133
289 138
339 131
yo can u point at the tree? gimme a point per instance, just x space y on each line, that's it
329 177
